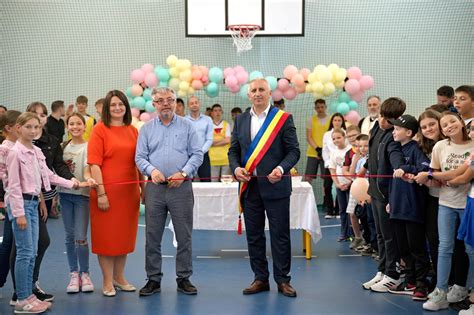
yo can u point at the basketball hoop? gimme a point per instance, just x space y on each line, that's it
242 35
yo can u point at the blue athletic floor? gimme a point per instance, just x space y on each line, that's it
330 283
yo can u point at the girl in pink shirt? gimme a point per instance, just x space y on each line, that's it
27 173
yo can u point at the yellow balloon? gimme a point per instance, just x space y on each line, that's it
312 77
319 68
317 87
171 60
185 75
191 90
333 68
308 88
340 75
317 95
339 84
325 76
174 84
184 85
181 64
174 72
182 93
329 88
187 64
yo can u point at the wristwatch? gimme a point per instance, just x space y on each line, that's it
183 173
430 174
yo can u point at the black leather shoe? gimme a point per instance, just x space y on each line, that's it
185 286
151 287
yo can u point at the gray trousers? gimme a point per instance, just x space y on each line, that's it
160 199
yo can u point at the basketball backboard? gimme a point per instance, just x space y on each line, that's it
209 18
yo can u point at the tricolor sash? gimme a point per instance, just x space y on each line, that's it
259 147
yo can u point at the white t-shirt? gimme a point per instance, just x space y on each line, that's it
336 161
75 156
446 156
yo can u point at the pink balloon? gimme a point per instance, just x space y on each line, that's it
135 112
151 80
204 79
290 71
297 79
137 76
196 74
228 71
204 70
239 69
300 88
145 117
147 68
234 88
305 72
290 94
358 97
197 84
352 86
277 95
366 82
231 80
353 117
359 189
283 85
242 76
137 90
354 73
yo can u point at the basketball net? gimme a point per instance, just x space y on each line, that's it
242 35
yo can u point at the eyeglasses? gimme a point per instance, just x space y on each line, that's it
162 101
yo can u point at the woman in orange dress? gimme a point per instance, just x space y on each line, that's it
114 208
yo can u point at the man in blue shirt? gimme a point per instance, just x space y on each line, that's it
169 152
204 129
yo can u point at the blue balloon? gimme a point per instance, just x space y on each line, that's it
244 89
353 105
255 75
344 98
163 75
343 108
128 92
149 107
333 106
142 209
139 102
212 88
157 69
163 84
272 82
216 75
147 94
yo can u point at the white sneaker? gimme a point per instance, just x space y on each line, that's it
456 294
378 277
74 283
86 283
386 284
436 301
470 311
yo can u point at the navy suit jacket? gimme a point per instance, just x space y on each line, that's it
284 152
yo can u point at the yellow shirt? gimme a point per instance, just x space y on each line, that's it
317 133
218 155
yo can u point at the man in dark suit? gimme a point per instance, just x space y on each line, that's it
267 191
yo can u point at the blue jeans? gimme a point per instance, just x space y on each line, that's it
5 250
447 231
75 214
26 242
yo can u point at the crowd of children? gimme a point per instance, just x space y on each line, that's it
416 239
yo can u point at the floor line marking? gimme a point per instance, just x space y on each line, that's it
329 226
393 303
234 250
351 255
167 256
209 257
302 256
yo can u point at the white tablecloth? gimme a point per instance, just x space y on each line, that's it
215 208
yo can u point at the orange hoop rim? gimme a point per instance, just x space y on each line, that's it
240 27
